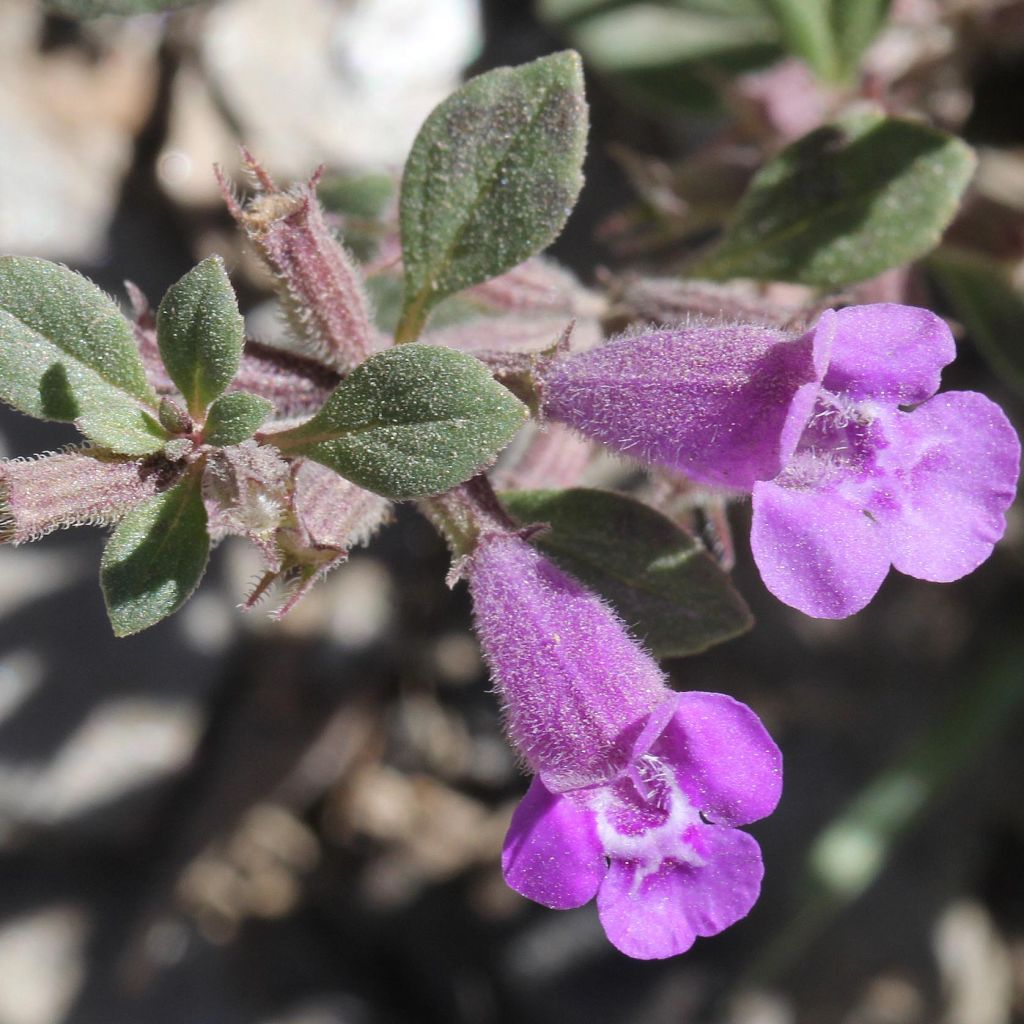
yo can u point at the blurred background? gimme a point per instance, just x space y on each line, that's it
233 821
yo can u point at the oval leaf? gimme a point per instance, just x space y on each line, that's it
491 179
660 580
155 558
200 333
67 354
409 422
845 203
234 417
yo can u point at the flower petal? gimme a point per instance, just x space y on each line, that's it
659 915
723 757
960 459
552 854
816 551
889 352
725 404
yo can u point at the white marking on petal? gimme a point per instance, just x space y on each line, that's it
650 849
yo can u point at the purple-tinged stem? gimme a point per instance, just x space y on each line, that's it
297 385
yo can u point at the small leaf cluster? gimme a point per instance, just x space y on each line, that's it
406 422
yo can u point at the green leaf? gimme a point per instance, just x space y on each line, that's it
565 12
562 12
854 24
410 422
234 417
156 557
67 353
983 298
806 28
94 8
829 34
844 203
491 179
643 36
201 334
661 581
671 57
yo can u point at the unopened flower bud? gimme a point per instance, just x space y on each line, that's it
317 281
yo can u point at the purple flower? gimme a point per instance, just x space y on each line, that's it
725 404
637 788
854 462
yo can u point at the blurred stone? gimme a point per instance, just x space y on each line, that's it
889 999
67 128
255 871
21 672
123 745
346 82
430 832
357 605
976 966
198 136
326 1009
555 944
457 658
42 964
28 574
760 1007
208 623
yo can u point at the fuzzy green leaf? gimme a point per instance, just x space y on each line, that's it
491 179
156 557
201 334
410 422
234 417
844 203
660 580
984 299
67 353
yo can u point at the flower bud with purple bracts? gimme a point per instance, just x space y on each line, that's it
637 788
329 515
302 517
317 281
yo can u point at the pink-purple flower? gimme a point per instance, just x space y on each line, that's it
637 789
854 462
